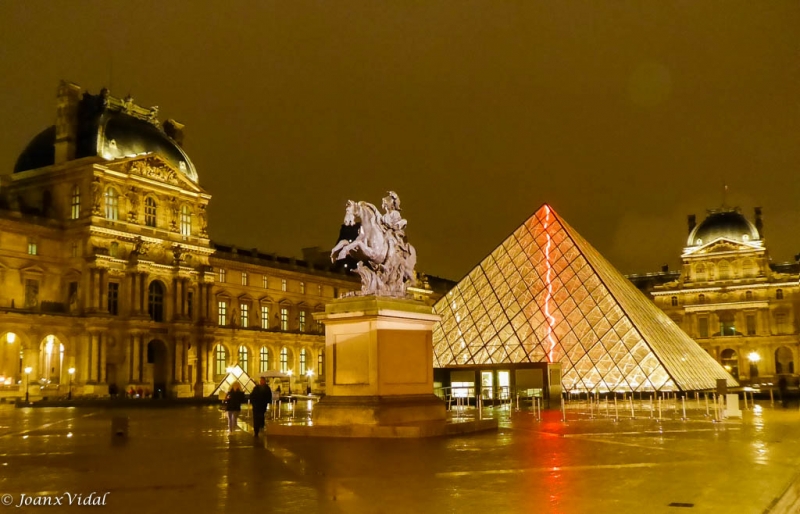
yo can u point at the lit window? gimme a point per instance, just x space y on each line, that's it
264 281
74 252
113 249
220 360
283 284
302 288
263 360
302 321
155 304
150 211
243 358
222 309
75 212
112 204
779 294
33 248
321 364
284 360
186 221
245 314
222 275
702 326
284 319
751 324
244 278
303 361
264 317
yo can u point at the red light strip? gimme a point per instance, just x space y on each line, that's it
550 319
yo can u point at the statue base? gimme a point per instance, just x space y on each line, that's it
379 366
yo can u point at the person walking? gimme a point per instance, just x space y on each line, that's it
783 386
259 399
233 405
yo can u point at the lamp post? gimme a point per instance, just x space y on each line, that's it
27 382
309 373
71 372
753 357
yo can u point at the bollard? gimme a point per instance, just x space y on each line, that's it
697 398
591 409
771 398
480 407
633 416
659 410
683 400
707 412
607 413
517 401
616 410
119 426
563 411
651 406
745 401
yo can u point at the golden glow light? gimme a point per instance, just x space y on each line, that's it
754 357
71 371
28 370
11 337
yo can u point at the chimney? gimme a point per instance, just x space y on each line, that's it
174 130
759 223
692 222
67 99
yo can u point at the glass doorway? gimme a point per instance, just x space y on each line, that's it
487 385
504 384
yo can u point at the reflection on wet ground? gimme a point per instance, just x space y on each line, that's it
182 459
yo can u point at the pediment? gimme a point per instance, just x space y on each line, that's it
32 270
154 167
266 299
723 245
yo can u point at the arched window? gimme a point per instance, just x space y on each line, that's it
321 364
150 210
243 358
155 301
784 360
779 294
75 211
112 204
220 360
674 301
748 295
700 272
303 361
186 221
263 363
724 270
730 362
284 360
701 298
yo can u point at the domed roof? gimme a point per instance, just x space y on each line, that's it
111 129
730 224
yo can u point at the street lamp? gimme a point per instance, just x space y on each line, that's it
71 372
754 357
27 382
309 373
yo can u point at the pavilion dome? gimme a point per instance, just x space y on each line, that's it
728 224
110 129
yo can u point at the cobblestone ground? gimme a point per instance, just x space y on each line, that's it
182 460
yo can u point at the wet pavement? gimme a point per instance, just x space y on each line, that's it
182 459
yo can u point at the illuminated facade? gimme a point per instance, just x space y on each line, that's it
739 307
108 279
546 295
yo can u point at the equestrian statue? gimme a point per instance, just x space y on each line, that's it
385 259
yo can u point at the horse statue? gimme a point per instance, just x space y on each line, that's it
386 259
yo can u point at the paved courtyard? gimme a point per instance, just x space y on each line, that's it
181 459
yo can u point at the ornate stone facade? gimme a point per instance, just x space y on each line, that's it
108 281
739 306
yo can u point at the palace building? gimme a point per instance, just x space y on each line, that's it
731 299
108 279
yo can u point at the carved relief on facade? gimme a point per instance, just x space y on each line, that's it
133 203
175 210
203 221
97 197
153 169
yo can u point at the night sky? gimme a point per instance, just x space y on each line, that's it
623 116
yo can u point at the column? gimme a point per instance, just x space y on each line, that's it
102 349
91 358
176 360
173 300
134 293
185 359
136 356
185 297
199 368
103 293
199 305
142 293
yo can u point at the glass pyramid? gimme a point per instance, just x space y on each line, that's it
546 295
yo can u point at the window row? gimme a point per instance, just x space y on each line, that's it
243 361
265 283
727 325
246 318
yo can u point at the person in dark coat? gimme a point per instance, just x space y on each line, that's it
783 386
259 399
233 405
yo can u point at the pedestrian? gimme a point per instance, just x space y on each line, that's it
233 405
276 399
784 389
259 399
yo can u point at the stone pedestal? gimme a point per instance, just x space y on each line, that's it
379 365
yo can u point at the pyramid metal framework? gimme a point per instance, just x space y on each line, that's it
546 295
